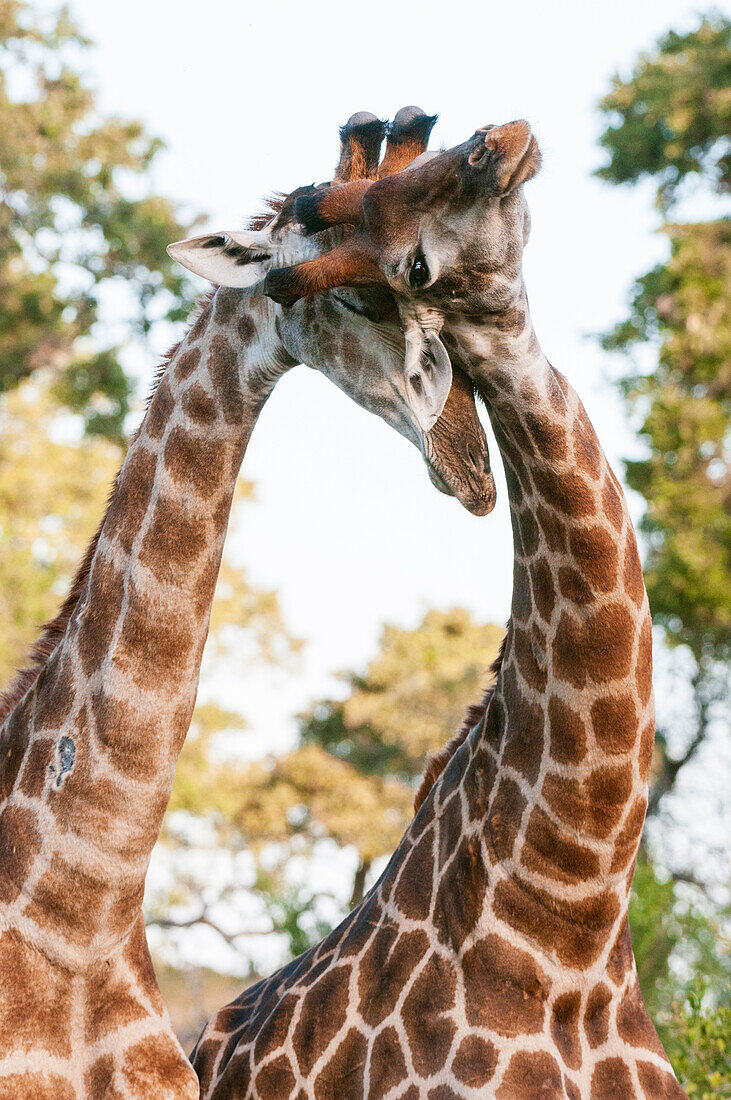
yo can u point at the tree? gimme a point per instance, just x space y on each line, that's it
75 221
668 122
411 698
676 942
697 1043
52 494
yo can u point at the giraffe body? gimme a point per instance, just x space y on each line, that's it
92 746
493 957
89 736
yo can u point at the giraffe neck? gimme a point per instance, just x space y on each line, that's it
92 746
567 739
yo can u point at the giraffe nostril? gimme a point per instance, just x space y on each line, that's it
478 460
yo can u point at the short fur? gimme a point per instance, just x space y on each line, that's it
340 205
347 265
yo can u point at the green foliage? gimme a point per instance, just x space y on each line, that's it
698 1043
674 936
672 118
291 910
669 122
74 223
52 495
684 308
411 698
308 793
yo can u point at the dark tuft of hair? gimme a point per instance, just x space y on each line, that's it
360 146
411 124
365 127
307 213
280 286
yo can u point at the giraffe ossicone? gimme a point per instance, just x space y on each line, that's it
493 956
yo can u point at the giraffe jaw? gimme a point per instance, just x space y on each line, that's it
479 500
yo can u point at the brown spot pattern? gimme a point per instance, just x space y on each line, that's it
505 989
414 890
565 1028
460 894
475 1061
599 648
531 1077
428 1029
614 719
567 732
322 1015
611 1081
547 851
187 363
596 1015
224 371
388 1067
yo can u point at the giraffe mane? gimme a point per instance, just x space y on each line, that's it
272 207
474 714
53 631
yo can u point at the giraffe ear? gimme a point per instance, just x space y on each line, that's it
509 153
428 372
231 258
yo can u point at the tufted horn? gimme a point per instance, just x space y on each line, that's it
360 145
408 137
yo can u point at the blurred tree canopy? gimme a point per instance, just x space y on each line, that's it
52 495
678 943
83 271
77 224
411 697
671 118
670 122
406 705
684 308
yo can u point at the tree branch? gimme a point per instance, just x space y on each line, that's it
672 766
204 919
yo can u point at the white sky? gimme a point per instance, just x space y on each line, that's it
248 98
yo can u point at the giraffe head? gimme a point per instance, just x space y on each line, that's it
355 338
446 237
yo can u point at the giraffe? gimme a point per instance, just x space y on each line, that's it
90 734
493 957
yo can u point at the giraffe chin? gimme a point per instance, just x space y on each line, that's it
478 500
455 450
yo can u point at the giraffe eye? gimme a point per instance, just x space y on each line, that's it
419 274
